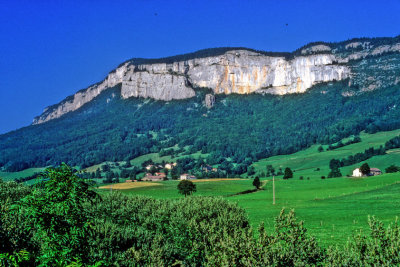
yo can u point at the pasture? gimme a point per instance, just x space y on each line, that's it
306 162
332 209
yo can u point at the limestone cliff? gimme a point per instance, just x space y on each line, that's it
240 71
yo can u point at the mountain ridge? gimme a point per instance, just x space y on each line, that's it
224 71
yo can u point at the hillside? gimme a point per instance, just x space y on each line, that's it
306 162
240 71
234 131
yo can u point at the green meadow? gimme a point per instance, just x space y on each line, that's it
332 209
306 162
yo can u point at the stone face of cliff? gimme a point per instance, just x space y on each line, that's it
235 71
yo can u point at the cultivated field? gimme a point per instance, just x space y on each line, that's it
124 186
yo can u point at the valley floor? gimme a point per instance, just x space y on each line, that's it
332 209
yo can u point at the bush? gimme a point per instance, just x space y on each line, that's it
379 248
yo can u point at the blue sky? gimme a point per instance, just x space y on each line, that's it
51 49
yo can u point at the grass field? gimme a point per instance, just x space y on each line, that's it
125 186
305 162
333 209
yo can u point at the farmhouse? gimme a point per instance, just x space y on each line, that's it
357 173
159 176
186 176
372 172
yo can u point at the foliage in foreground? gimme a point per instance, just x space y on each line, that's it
62 222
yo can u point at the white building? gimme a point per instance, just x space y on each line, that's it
357 173
186 176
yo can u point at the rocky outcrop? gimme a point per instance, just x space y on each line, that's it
209 100
237 71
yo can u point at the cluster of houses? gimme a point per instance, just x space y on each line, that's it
161 176
372 172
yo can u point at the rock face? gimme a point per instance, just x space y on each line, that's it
209 100
235 71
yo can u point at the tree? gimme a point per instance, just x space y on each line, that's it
270 170
166 171
128 164
288 173
365 169
251 170
98 173
335 173
334 164
186 187
56 212
256 182
392 168
153 170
